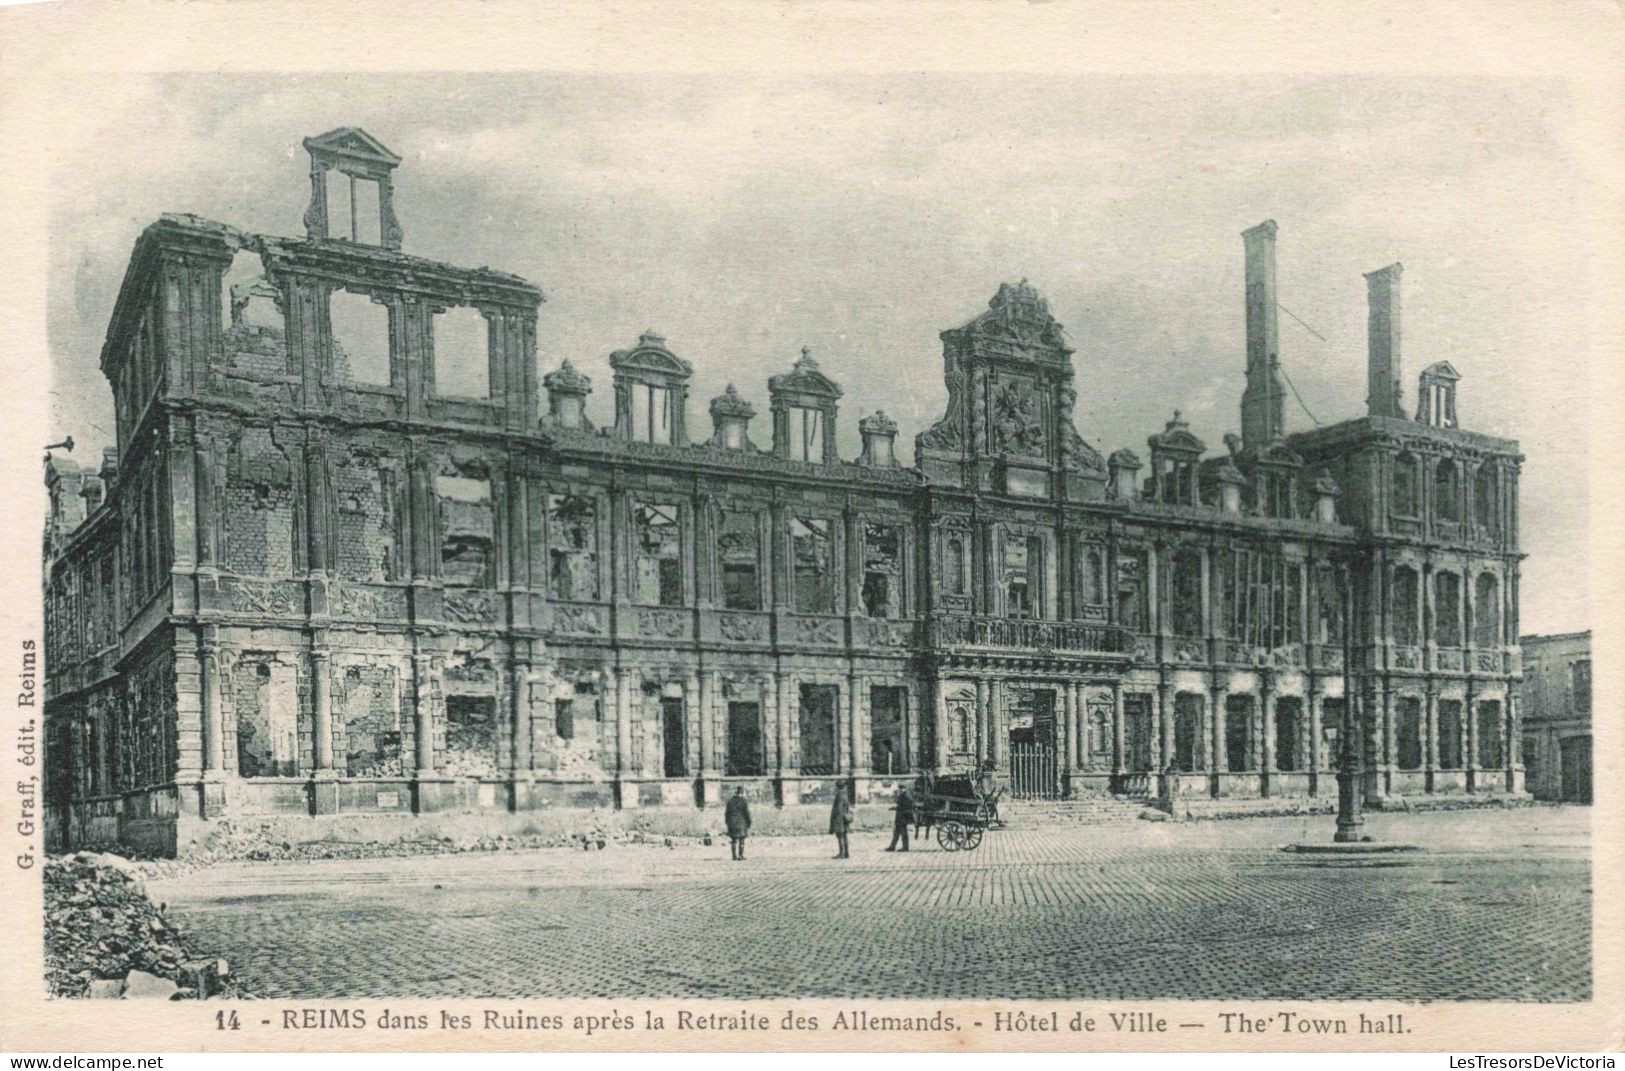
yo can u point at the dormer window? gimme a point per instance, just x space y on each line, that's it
351 189
651 392
806 434
804 407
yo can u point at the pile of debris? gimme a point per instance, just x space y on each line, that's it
104 938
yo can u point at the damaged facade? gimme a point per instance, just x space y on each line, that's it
341 561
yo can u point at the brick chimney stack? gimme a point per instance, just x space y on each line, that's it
1382 333
1263 403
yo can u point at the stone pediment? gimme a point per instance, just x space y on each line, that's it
1176 438
805 380
651 355
1279 455
353 143
1441 370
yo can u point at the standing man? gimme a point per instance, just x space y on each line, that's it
738 819
905 815
840 820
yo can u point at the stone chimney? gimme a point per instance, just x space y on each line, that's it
879 439
1263 403
567 392
1123 465
1382 334
730 420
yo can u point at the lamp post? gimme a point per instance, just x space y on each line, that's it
1350 824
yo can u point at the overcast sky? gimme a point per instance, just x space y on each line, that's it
744 217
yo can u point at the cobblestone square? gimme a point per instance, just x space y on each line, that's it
1497 907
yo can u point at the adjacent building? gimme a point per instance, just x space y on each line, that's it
344 559
1556 693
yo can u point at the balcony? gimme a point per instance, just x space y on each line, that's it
1042 637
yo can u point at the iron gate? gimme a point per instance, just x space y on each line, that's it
1032 771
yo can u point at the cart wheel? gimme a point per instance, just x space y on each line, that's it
950 836
973 837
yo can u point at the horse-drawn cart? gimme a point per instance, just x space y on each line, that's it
960 807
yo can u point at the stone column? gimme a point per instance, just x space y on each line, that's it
1315 713
1264 757
321 702
214 737
1469 716
781 705
998 703
520 716
1063 734
939 705
710 687
982 713
1167 705
1430 734
424 671
317 513
1217 762
854 726
768 691
1119 762
623 721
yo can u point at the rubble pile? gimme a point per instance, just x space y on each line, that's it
104 938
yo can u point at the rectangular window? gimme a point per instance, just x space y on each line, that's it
744 739
1288 733
1580 686
816 721
1238 733
658 555
1489 735
739 553
674 736
813 559
467 550
1187 732
471 736
888 741
1187 594
651 413
1410 733
1450 734
882 570
572 547
1447 609
564 719
462 354
806 434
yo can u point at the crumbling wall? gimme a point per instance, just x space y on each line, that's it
366 489
262 737
258 505
371 735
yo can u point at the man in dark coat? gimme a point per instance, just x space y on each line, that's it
840 821
738 819
905 816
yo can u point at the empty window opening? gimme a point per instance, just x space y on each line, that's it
813 554
674 736
744 739
651 413
1447 492
1489 734
806 433
1450 734
1138 725
1486 506
658 555
1288 734
572 538
360 329
739 551
817 724
1447 609
467 550
882 570
1238 733
1403 607
1404 489
1131 592
1487 611
462 354
888 740
354 209
471 736
1092 577
1331 728
1187 733
1187 594
1023 560
564 719
247 298
1410 733
955 566
1580 686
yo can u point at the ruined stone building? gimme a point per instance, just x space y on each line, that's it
1556 690
345 559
